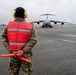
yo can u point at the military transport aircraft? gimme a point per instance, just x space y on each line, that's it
47 23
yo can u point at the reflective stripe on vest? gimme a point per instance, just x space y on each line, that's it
21 30
18 34
14 43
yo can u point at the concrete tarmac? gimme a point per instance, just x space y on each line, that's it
54 53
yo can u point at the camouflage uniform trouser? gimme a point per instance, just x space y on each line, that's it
15 64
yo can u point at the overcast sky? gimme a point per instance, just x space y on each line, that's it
64 10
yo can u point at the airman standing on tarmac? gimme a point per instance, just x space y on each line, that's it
19 36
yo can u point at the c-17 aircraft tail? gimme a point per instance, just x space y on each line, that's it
47 15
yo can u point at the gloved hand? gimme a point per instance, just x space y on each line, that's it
18 53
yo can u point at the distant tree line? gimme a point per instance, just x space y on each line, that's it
2 24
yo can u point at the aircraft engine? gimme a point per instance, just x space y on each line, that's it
55 22
38 22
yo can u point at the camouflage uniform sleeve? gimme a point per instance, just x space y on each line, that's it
32 41
4 38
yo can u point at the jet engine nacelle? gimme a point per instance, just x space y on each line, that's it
55 22
38 22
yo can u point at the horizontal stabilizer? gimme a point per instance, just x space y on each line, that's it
47 14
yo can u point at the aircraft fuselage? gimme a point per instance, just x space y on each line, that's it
46 24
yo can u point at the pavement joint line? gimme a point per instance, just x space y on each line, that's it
69 41
69 35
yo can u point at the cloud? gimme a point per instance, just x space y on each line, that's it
63 9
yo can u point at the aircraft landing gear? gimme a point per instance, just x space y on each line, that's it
46 26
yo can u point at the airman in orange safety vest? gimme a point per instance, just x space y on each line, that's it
19 36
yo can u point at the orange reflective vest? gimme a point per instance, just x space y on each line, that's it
18 34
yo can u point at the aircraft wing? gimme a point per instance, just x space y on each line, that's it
55 22
37 21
